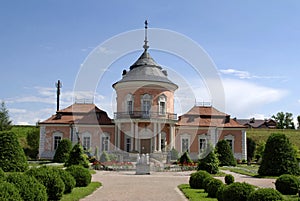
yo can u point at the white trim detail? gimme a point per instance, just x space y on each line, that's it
55 135
185 143
202 141
86 140
104 142
230 138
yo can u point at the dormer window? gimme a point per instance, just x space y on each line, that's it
162 104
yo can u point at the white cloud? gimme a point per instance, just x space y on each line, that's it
17 111
247 75
31 117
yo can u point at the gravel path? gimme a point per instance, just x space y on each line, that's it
126 186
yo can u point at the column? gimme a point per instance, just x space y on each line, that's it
136 133
119 135
172 137
131 136
244 145
155 137
159 137
116 137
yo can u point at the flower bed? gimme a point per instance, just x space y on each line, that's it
113 165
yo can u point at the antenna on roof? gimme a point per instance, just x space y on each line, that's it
146 41
58 85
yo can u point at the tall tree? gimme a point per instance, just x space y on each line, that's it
298 119
284 120
5 123
251 145
224 153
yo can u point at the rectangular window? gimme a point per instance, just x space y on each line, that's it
129 107
202 144
57 139
128 144
162 108
163 144
185 145
105 143
86 142
230 144
146 107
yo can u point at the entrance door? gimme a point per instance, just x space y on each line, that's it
145 146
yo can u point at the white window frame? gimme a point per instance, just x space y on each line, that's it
230 138
188 138
129 107
86 146
146 103
162 99
56 134
105 137
202 137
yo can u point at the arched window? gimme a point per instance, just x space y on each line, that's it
105 140
162 104
129 103
146 105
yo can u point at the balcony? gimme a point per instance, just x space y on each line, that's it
144 115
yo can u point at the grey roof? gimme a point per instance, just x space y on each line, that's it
145 69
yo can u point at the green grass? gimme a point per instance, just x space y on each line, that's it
79 193
194 194
243 169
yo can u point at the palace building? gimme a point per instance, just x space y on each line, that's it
144 121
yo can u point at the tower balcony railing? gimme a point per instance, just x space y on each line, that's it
144 115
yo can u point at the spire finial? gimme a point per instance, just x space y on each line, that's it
146 41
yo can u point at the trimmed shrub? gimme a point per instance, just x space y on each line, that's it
206 182
224 153
251 145
265 194
213 187
279 157
174 154
29 188
229 179
67 178
9 192
77 157
50 179
185 158
197 179
104 157
63 150
237 191
210 163
12 156
81 175
2 175
219 193
287 184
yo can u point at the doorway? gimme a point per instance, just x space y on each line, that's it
145 146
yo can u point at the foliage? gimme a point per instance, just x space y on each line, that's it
219 193
196 180
33 140
265 194
82 175
251 145
225 154
9 192
260 148
237 191
2 175
194 194
213 187
50 179
5 123
29 188
77 157
104 157
284 120
210 163
12 157
229 179
279 157
67 178
287 184
185 158
174 154
81 192
298 120
62 152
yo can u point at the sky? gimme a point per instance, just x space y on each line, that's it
253 44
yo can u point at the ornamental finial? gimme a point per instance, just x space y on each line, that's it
146 41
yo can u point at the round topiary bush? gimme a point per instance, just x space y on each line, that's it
219 193
50 179
12 156
237 191
67 178
197 179
287 184
77 157
62 151
265 194
213 187
229 179
9 192
81 175
29 188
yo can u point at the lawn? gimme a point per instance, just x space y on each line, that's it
194 194
79 193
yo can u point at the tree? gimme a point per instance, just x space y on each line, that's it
77 157
5 123
63 150
251 145
298 119
279 157
224 153
284 120
210 162
12 156
33 141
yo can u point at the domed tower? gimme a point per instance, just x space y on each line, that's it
145 119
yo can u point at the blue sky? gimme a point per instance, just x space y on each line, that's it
254 45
